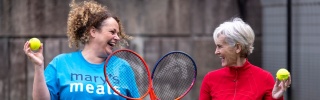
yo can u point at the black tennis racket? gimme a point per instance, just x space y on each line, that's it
174 75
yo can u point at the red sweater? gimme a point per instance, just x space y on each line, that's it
247 82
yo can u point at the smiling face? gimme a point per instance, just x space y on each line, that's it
228 53
106 37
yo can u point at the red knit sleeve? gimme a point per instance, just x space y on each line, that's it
269 86
205 89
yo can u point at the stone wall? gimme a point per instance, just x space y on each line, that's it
159 26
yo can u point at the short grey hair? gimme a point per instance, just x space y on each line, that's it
237 31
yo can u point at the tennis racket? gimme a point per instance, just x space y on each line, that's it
174 75
128 75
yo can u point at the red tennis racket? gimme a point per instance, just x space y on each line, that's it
174 75
128 75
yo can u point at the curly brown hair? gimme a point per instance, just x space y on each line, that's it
87 14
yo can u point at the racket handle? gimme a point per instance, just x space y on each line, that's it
153 95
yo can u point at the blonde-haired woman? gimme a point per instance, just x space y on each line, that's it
238 79
79 75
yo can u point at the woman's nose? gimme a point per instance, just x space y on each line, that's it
216 52
116 37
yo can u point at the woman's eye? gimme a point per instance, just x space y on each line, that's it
112 32
219 46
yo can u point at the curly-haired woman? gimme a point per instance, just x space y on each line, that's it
79 75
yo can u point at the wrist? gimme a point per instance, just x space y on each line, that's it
39 68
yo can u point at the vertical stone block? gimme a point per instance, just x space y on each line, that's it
5 69
151 51
18 70
186 44
168 44
51 49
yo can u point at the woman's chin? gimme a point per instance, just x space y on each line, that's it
107 51
223 65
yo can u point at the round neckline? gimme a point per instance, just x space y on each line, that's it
91 64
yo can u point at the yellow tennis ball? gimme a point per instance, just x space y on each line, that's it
34 43
283 74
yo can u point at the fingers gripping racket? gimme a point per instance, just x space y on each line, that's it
173 76
128 75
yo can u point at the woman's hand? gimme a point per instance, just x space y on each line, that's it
280 87
35 57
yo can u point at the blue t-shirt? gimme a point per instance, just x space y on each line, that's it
70 77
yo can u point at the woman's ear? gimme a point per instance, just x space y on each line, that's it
238 48
92 31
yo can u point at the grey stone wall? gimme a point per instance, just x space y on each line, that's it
159 26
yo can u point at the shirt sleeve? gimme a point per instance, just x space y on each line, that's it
50 75
269 85
205 90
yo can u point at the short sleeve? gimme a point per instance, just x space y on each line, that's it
50 75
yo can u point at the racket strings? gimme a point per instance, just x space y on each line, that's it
127 72
173 76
